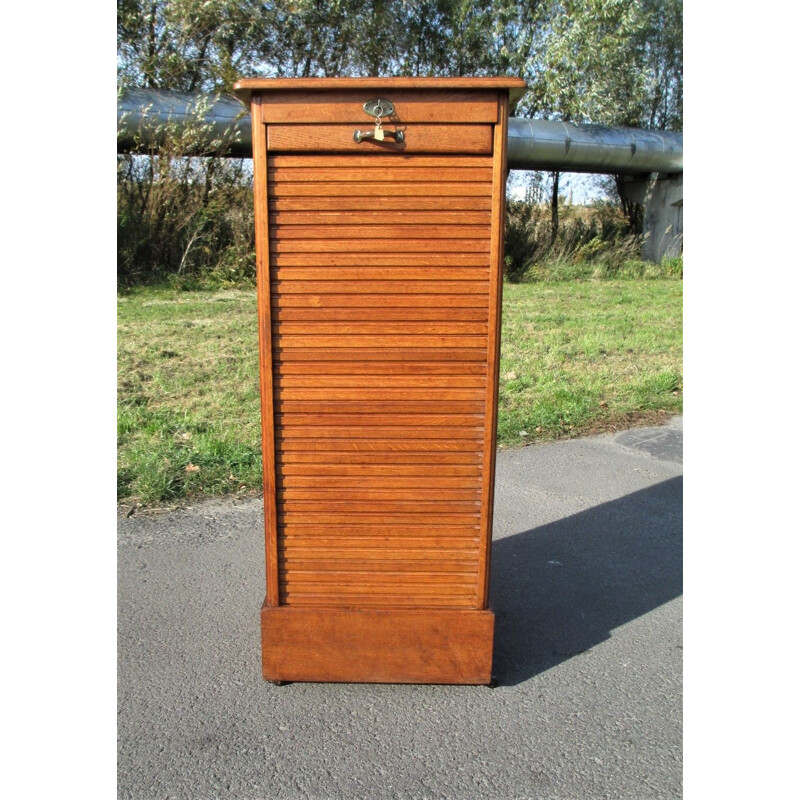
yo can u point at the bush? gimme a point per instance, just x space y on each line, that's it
183 216
592 242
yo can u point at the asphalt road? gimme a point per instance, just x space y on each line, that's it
587 589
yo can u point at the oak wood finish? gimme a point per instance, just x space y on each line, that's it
397 646
339 138
379 282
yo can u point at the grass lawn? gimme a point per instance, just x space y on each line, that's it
577 358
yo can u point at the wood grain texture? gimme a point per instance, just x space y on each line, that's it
374 86
379 202
419 138
429 218
367 241
379 172
261 191
377 327
430 188
389 358
347 227
399 265
382 262
377 646
493 365
381 292
367 160
384 286
439 106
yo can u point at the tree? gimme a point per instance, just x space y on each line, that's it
610 62
662 48
587 66
192 45
617 62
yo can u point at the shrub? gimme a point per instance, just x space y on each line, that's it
181 215
592 242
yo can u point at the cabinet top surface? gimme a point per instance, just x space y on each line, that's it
245 88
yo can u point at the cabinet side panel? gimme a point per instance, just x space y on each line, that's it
493 365
260 189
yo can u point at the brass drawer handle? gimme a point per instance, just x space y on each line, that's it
378 134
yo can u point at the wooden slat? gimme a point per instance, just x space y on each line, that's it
418 440
380 172
431 480
411 366
386 382
371 548
309 541
436 186
355 230
379 314
432 568
383 408
384 355
367 272
444 106
382 559
362 430
370 159
409 508
351 581
374 327
387 300
319 424
389 341
380 203
389 287
328 456
284 470
283 220
421 536
387 261
378 495
315 518
353 426
377 601
359 394
374 246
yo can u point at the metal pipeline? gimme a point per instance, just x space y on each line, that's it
551 145
533 144
142 115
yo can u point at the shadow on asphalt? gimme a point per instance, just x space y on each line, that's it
561 589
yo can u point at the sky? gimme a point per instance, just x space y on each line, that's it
579 188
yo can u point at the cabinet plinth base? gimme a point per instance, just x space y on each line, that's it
377 645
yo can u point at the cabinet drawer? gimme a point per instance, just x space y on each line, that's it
419 138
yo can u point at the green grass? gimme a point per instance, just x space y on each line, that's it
577 358
188 404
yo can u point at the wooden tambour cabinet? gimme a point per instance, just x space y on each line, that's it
379 222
